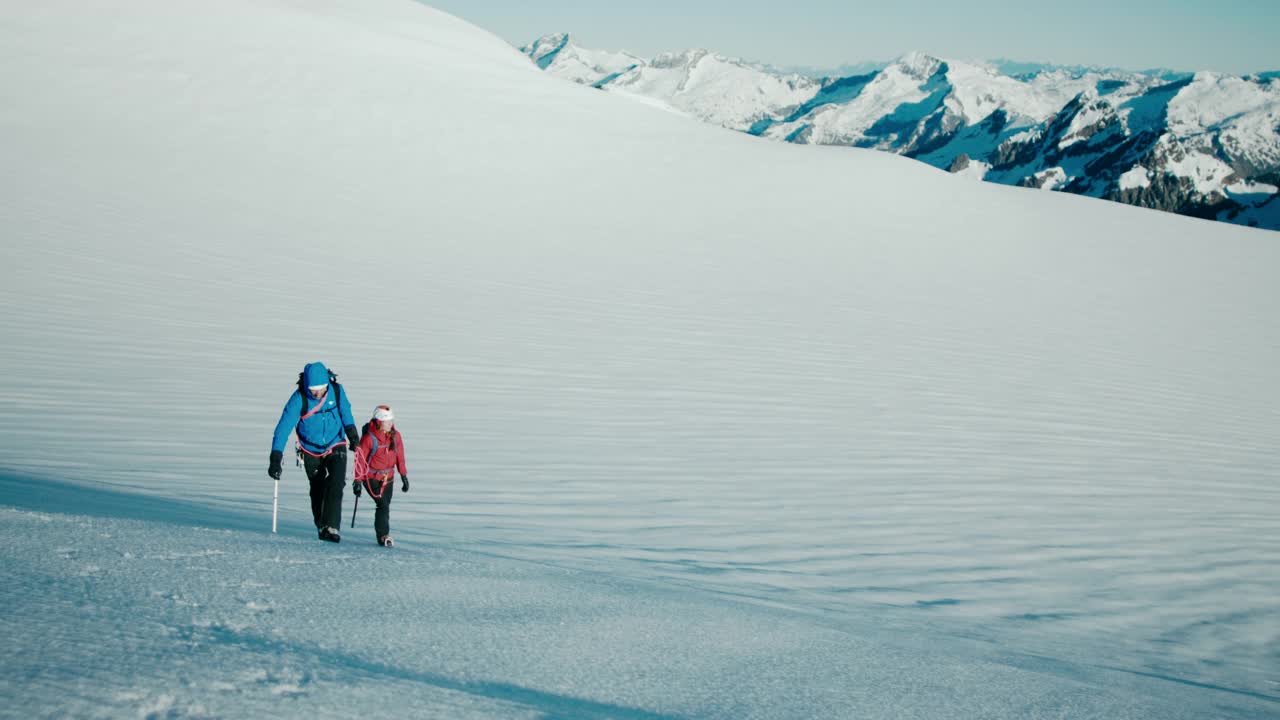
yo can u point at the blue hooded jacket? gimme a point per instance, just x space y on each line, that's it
324 429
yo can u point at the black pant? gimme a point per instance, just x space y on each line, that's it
328 476
382 505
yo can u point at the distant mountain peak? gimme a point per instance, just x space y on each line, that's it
559 54
1206 144
543 51
919 64
559 38
682 58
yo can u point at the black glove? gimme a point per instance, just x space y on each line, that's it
273 469
404 483
355 487
353 438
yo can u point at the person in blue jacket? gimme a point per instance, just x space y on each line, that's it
319 413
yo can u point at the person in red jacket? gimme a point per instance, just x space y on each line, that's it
381 453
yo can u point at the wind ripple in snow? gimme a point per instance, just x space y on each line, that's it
833 381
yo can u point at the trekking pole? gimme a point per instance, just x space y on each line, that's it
356 472
275 507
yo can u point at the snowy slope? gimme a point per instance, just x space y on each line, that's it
699 426
139 616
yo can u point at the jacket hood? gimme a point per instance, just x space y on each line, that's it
315 374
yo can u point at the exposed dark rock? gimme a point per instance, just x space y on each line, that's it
1105 87
1078 186
1085 145
995 123
1039 180
1012 153
1173 194
1269 178
801 135
936 131
1124 155
833 92
1043 144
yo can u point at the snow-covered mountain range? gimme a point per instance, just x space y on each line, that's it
1202 144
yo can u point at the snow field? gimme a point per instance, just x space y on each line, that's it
947 444
139 616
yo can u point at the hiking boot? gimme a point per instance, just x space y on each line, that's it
330 534
385 541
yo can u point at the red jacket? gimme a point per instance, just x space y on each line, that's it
383 451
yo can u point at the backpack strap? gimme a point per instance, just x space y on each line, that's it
366 431
314 410
306 396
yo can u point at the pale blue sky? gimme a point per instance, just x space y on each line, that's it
1233 36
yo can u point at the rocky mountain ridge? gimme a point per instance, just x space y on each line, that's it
1202 144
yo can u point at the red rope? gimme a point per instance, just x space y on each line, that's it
365 476
382 488
319 406
326 452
